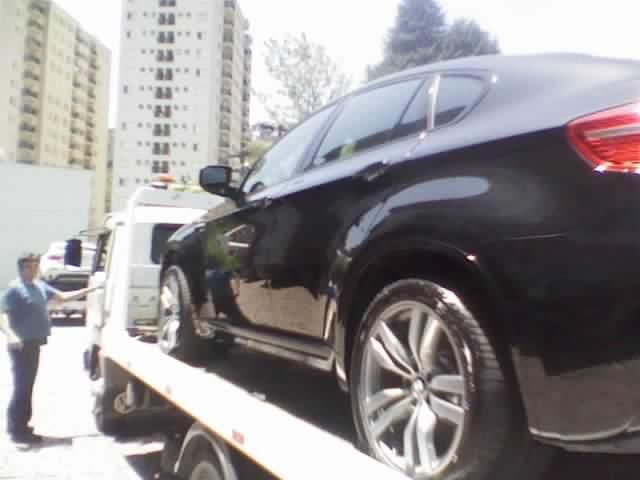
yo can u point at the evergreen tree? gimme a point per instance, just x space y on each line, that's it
421 35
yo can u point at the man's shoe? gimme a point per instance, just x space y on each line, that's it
26 437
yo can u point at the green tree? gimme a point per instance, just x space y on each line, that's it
465 38
307 79
421 35
255 150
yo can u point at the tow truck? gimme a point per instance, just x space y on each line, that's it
223 423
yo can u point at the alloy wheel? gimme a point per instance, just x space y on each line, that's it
412 394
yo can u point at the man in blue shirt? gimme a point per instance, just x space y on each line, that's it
24 319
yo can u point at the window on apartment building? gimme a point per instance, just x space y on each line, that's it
155 167
128 34
195 147
122 182
165 167
129 16
125 89
171 20
199 35
197 72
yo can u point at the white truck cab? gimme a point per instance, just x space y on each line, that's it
134 240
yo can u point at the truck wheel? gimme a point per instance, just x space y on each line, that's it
177 335
205 467
430 394
110 413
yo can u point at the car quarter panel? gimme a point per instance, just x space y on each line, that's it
536 221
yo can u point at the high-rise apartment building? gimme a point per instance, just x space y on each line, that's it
184 90
54 92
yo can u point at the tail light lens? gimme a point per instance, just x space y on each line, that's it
55 257
609 140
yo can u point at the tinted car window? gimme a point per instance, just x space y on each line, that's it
159 238
280 162
455 94
367 121
415 120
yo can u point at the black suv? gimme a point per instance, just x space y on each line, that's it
459 243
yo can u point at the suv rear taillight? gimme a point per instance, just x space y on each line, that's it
610 140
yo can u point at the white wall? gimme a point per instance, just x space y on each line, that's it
39 205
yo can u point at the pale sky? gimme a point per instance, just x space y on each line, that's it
353 30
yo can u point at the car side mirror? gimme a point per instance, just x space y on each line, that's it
73 253
216 179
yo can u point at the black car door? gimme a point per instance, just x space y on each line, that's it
345 176
240 237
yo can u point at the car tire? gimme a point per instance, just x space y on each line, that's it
455 411
187 345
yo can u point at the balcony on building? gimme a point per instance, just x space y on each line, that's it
79 97
89 137
29 93
80 82
27 127
35 33
27 145
28 136
82 50
30 112
36 20
76 158
30 58
26 156
34 45
90 122
92 94
227 54
77 113
229 18
38 7
83 38
226 92
31 84
77 136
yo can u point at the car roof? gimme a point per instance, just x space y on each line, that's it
532 64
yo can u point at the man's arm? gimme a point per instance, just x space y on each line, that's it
5 327
7 302
62 297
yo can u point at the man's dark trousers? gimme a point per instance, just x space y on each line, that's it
24 366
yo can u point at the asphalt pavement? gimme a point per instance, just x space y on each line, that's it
74 450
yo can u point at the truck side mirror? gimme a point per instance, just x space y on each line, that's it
73 253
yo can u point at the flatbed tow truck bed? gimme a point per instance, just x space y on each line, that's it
223 397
